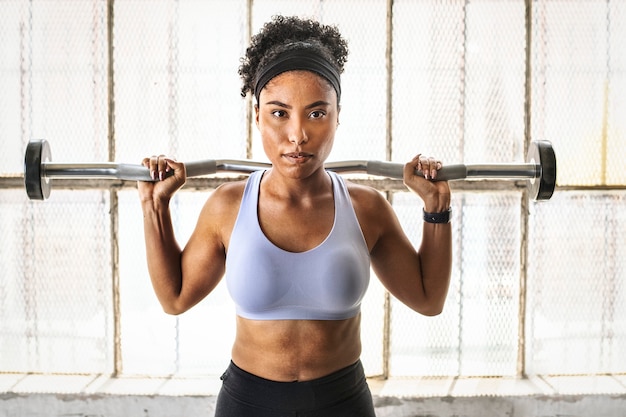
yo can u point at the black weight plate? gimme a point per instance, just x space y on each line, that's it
37 186
542 153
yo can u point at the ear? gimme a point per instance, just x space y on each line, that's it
256 114
338 112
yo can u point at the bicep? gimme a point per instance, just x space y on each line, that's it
395 261
397 265
203 258
202 268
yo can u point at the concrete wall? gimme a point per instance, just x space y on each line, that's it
93 405
102 396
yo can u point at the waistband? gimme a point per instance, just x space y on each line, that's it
317 393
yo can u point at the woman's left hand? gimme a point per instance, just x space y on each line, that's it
435 194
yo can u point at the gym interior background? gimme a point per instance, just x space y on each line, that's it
535 321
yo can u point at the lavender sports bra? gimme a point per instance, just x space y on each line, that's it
327 282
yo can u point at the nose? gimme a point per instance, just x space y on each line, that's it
297 133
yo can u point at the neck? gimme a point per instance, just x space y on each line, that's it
297 188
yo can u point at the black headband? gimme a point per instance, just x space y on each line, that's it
298 59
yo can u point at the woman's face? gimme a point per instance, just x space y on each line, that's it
297 117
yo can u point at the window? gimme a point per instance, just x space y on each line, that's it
468 81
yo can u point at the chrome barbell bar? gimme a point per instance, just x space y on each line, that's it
540 170
131 172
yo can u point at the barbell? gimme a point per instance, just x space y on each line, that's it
539 170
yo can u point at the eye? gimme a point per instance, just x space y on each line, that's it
317 114
279 113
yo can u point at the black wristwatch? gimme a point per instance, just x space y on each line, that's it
443 217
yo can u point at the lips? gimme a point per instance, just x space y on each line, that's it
298 156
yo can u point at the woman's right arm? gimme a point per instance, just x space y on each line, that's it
180 277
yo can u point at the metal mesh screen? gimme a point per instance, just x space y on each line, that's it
577 285
459 92
55 83
477 334
56 290
576 277
469 81
177 88
458 80
578 88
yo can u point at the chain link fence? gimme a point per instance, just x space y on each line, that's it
537 288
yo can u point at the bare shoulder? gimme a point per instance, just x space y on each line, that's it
373 211
229 192
221 208
365 198
225 198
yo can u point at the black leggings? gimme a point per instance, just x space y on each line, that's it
341 394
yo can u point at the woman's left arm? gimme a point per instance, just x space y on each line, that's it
418 278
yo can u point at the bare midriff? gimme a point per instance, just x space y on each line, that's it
296 350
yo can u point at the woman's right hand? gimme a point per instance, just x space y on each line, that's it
165 183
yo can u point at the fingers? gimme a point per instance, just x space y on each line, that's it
160 166
434 194
428 166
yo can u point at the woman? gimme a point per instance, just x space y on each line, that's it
295 242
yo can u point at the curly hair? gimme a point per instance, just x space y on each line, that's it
282 33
